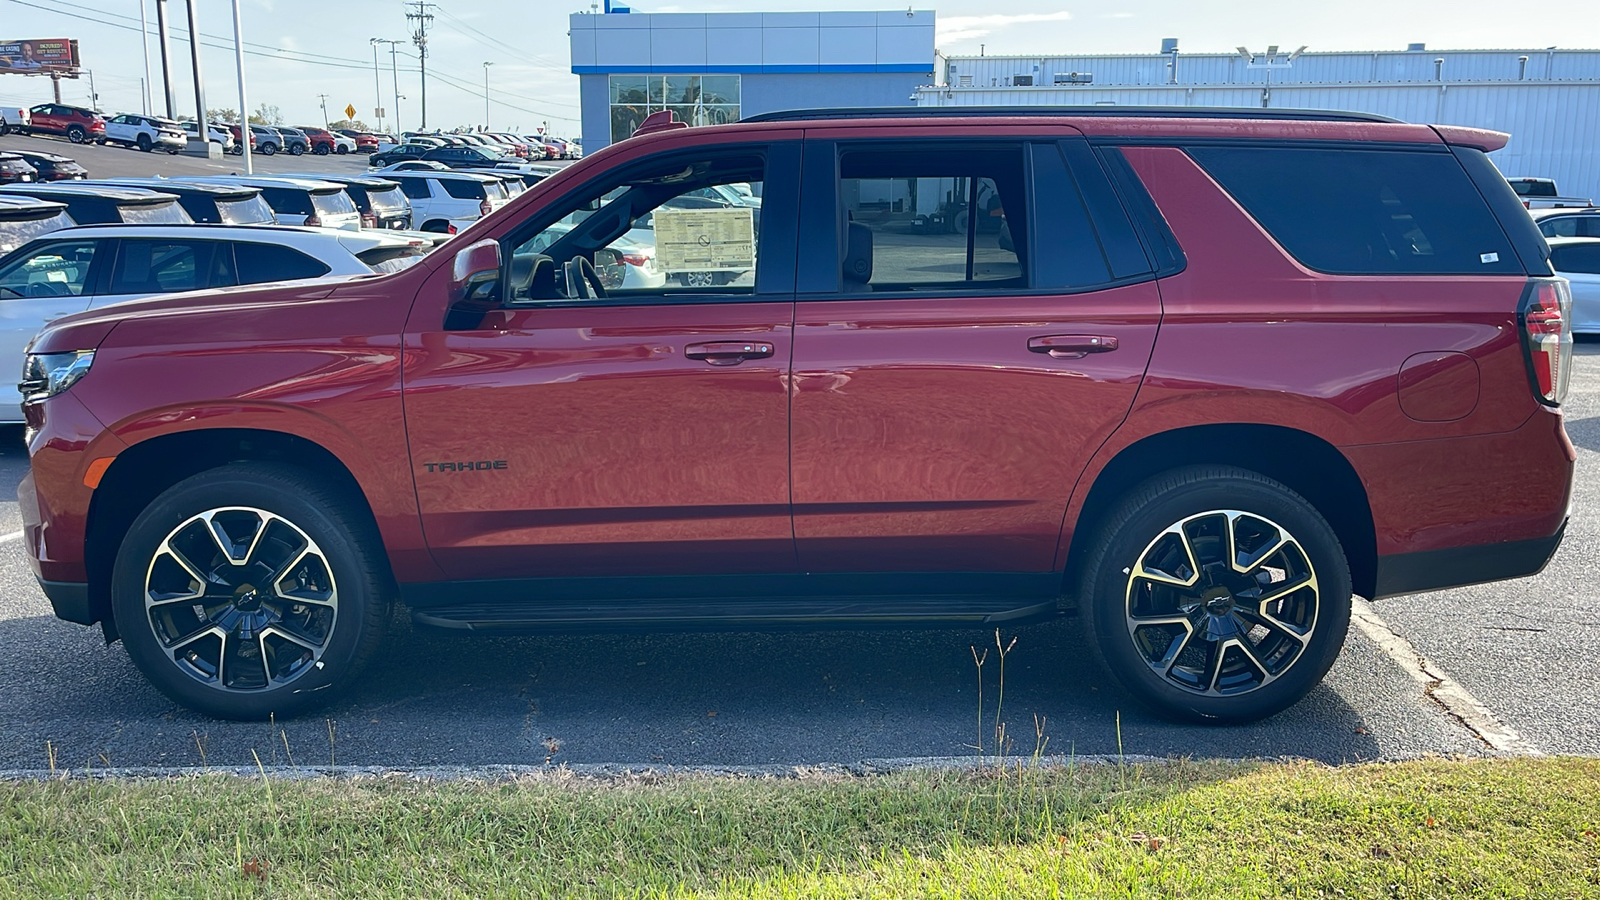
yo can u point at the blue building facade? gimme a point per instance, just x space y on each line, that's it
718 67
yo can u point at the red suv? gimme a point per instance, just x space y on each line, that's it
1200 376
78 124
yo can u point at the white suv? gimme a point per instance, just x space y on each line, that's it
299 200
219 135
448 201
146 132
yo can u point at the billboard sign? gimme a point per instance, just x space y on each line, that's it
38 57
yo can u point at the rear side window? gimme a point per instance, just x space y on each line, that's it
162 266
287 201
270 262
1579 259
1366 212
415 188
463 189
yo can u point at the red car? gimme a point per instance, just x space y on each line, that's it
1198 375
323 141
79 125
365 143
239 135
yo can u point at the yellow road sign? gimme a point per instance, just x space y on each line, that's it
349 111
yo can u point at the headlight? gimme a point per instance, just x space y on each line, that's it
45 375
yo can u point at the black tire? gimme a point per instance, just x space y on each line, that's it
268 149
343 150
4 129
322 150
76 134
296 149
1112 593
355 575
145 143
172 151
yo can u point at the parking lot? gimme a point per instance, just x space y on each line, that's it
1528 650
121 162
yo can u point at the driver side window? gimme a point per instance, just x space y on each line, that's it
54 270
689 228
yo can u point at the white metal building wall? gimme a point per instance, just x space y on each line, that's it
1553 114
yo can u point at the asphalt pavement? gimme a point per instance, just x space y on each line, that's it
111 161
1529 650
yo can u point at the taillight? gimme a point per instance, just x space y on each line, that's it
1546 319
1527 204
485 207
635 259
313 220
450 229
368 220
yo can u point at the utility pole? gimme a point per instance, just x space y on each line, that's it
394 70
377 86
166 57
144 44
244 105
324 99
423 19
94 96
486 95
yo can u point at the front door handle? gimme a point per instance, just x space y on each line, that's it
1072 346
728 353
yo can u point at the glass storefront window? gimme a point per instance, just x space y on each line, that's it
696 99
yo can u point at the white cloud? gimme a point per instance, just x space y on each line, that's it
954 29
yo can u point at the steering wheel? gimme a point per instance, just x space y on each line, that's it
47 289
582 281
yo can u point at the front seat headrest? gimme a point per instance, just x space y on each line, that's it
857 255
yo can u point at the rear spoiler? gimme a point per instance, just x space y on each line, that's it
1479 138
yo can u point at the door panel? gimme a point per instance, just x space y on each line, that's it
610 450
929 437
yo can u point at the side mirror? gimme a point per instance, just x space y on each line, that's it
476 272
609 266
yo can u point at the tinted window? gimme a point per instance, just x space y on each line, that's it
1534 188
1579 259
53 270
463 189
269 262
288 201
1359 212
333 204
936 219
169 213
1561 226
386 199
1076 257
415 188
253 211
161 266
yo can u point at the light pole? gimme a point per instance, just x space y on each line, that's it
244 105
377 86
486 95
394 70
144 44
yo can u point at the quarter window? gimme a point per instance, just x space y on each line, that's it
270 262
1366 212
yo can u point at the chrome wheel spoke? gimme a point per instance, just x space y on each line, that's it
1175 650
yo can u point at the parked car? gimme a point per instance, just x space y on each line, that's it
517 146
365 142
379 200
1577 259
295 141
24 218
324 142
399 154
53 166
221 135
895 420
449 201
16 170
1577 222
269 141
14 118
146 132
96 266
298 201
411 165
77 124
469 157
94 204
1541 193
208 204
239 138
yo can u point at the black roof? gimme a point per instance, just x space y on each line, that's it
20 206
1142 112
372 182
117 192
169 186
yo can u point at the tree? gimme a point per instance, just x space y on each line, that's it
223 115
351 124
266 114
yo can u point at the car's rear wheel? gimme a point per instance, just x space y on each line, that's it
1216 593
145 143
322 150
296 149
77 134
343 149
268 149
250 590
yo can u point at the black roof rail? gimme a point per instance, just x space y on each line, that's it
1142 112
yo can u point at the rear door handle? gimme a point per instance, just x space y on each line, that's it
1072 346
728 353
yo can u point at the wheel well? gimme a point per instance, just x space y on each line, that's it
142 472
1308 465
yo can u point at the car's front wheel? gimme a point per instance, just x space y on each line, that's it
250 590
145 143
296 149
268 149
1216 593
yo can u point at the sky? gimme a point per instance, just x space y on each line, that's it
299 49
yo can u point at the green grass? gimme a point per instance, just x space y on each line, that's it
1501 829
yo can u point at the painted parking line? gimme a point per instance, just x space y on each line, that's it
8 538
1437 684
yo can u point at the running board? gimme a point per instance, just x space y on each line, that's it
735 614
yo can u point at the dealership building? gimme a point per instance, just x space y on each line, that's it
718 67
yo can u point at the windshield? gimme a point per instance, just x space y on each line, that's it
156 214
335 204
14 234
1534 188
495 191
253 211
